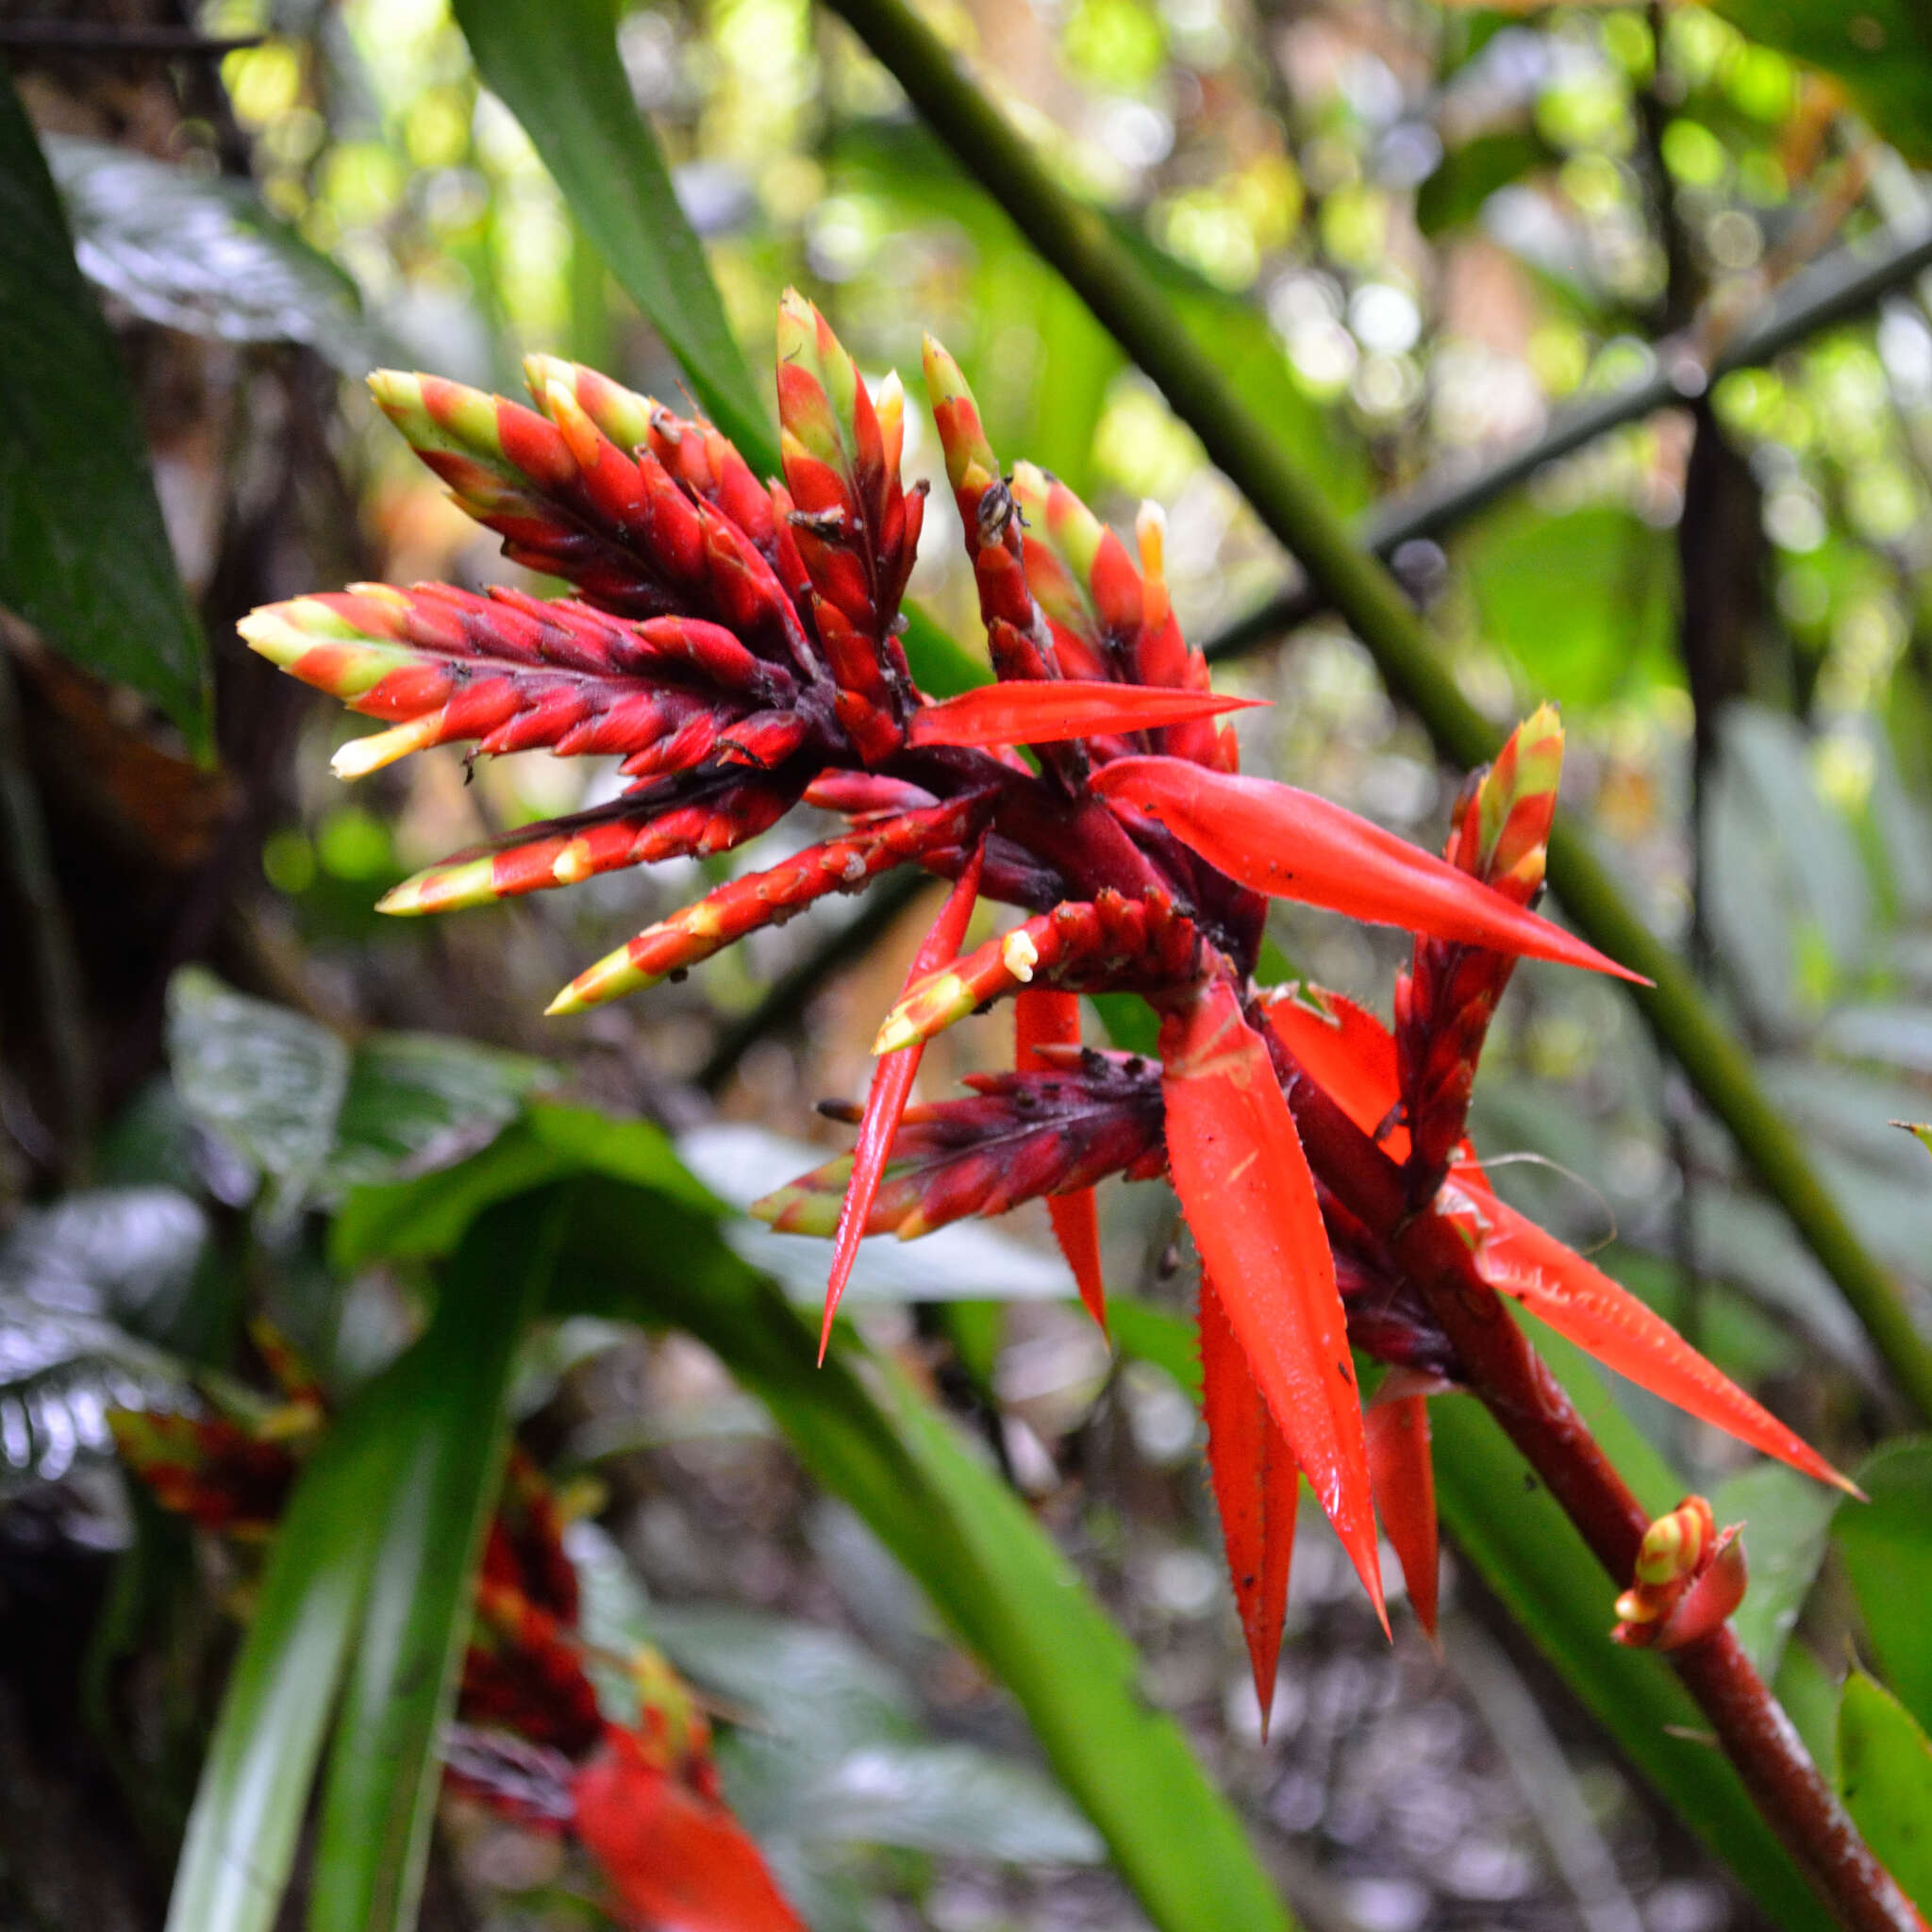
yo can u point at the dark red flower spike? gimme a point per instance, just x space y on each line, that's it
1250 1202
1498 834
845 864
856 530
1257 1487
1051 1133
1045 1018
892 1086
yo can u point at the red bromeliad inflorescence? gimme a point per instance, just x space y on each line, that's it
736 644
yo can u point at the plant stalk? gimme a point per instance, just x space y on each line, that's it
1078 242
1513 1383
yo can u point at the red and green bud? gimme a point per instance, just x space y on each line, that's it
1017 636
676 819
1690 1575
1499 833
855 528
509 672
1112 942
1019 1137
844 864
569 501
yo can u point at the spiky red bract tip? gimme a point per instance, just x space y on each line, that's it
1293 844
1403 1473
892 1087
1043 713
1044 1018
1249 1199
1257 1487
1582 1302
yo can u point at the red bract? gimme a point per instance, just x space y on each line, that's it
674 1861
892 1087
735 643
1250 1202
1257 1487
1043 1019
1293 844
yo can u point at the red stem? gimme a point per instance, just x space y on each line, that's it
1511 1380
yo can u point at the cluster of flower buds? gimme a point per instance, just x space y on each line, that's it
736 643
531 1739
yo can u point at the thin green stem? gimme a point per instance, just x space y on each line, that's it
1079 243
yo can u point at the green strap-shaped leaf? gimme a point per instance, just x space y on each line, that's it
383 1767
254 1785
84 553
1885 1776
1887 1548
864 1434
638 1251
557 67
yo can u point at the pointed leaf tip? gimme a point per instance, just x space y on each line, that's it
1017 713
1296 844
1250 1202
892 1087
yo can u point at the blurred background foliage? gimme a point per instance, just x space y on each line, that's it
1418 239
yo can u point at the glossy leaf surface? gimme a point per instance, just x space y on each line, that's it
1886 1550
1885 1776
1295 845
1257 1487
84 553
384 1770
1244 1186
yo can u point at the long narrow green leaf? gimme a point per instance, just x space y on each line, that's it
557 67
383 1768
84 555
633 1251
255 1784
984 1561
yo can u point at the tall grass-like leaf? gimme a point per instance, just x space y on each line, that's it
84 555
634 1252
254 1785
383 1766
557 69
